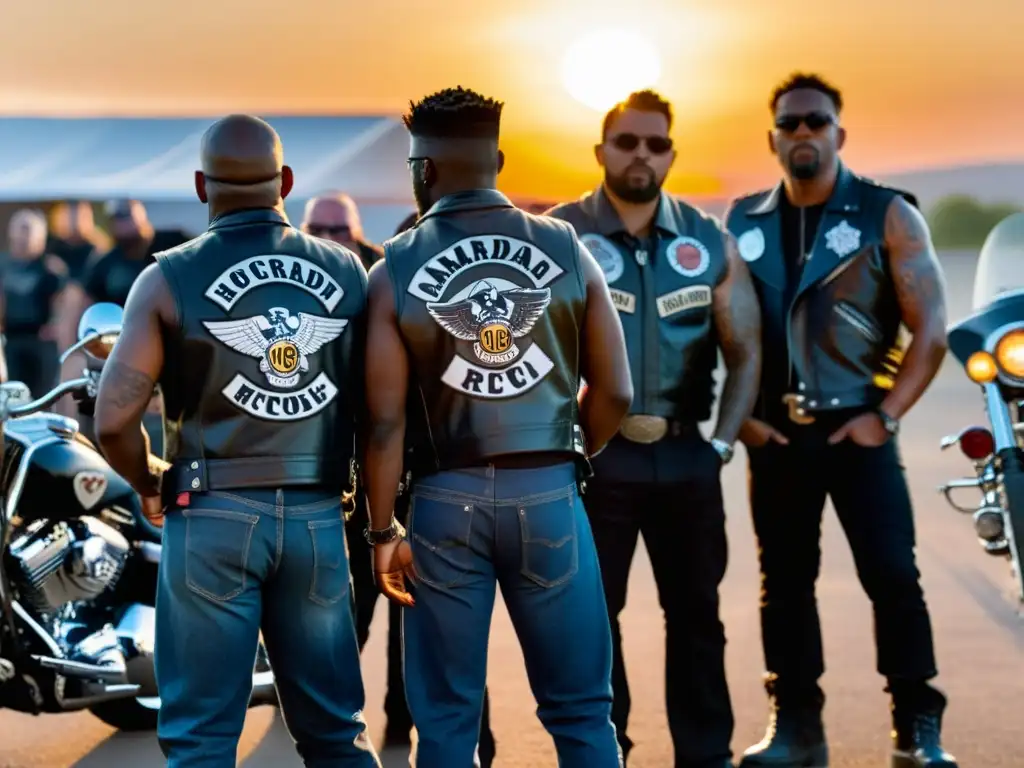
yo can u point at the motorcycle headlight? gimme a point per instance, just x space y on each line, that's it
1009 353
981 368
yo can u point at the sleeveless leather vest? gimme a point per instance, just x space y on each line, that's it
664 296
490 301
263 377
29 289
837 345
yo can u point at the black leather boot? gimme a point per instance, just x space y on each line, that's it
795 738
917 726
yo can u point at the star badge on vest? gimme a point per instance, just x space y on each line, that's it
688 257
751 244
843 239
489 291
280 339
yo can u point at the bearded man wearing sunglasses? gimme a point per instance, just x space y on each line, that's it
840 263
682 292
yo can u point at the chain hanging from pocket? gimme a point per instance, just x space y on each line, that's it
348 498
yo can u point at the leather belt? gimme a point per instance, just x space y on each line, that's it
646 429
198 475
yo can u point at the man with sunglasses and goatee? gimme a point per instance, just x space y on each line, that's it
840 263
682 293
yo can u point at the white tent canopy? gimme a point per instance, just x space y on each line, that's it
153 160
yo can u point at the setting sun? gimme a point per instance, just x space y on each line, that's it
601 69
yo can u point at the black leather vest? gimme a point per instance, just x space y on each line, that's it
663 292
29 290
838 344
490 301
263 378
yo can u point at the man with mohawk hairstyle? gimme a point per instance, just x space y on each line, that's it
482 321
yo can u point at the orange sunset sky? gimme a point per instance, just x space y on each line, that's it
927 82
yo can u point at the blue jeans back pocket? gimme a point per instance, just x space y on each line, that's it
439 531
330 580
550 543
217 546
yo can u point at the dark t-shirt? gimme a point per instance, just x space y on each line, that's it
76 256
29 288
110 277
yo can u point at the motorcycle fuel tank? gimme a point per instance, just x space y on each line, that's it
65 477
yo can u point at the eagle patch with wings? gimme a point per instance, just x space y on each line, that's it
492 315
280 340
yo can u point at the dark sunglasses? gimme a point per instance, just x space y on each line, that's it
815 121
656 145
319 230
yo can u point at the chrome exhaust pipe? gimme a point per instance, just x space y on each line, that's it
80 669
110 693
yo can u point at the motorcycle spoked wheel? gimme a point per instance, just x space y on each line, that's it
141 713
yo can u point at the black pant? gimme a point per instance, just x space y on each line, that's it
32 361
788 486
682 520
364 598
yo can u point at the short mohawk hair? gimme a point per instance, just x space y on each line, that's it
454 113
800 81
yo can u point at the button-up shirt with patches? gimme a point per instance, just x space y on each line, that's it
663 287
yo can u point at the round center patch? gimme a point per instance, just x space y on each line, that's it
688 257
283 357
606 255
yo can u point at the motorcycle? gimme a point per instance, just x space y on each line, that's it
78 560
989 343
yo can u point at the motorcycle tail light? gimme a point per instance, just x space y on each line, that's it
977 443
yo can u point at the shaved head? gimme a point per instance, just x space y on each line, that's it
242 165
333 216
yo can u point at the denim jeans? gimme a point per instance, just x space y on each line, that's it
234 564
526 530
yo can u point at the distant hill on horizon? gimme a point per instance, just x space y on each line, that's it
987 182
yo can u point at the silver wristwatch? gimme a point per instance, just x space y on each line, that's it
724 449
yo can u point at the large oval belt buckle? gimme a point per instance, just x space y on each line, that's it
644 429
797 414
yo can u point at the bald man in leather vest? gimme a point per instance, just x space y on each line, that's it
256 334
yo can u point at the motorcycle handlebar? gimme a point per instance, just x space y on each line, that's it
55 394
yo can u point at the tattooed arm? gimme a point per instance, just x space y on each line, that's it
737 314
921 291
129 376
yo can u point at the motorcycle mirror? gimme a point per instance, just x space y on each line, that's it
15 393
97 331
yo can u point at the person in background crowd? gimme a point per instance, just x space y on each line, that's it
336 217
74 237
682 293
111 276
840 263
36 299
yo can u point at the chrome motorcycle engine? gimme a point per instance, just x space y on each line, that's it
65 562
